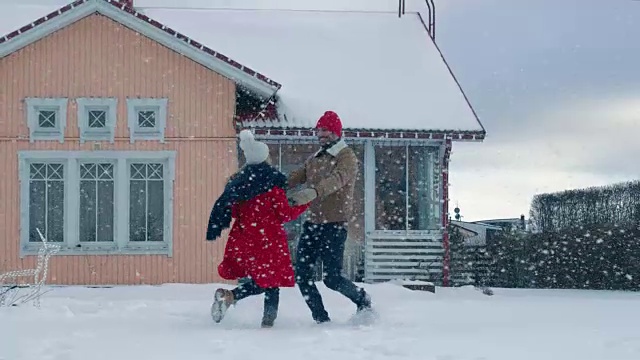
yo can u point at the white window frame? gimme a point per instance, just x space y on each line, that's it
159 107
122 160
370 189
33 108
109 106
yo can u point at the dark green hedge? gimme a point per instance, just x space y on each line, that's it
602 257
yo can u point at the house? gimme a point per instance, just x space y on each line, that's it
118 127
475 234
515 224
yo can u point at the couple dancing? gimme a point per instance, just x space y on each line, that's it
257 246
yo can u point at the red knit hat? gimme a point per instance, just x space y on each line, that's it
330 121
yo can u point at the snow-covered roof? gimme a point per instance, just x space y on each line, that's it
377 71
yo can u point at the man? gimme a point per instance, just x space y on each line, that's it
330 176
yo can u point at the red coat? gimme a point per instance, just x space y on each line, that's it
257 244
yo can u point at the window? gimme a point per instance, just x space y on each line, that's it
46 201
97 118
146 204
423 201
46 118
391 196
98 202
147 119
406 187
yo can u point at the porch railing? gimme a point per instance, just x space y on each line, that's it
389 259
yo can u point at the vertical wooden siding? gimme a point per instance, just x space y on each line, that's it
97 57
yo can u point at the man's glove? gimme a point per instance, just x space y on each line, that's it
303 196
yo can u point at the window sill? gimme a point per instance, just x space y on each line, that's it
97 135
43 135
105 249
147 136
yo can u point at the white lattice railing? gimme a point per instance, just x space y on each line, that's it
21 286
393 258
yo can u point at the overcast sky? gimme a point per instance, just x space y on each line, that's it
556 84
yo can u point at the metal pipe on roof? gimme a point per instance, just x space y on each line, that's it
401 8
432 18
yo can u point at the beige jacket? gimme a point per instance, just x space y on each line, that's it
333 175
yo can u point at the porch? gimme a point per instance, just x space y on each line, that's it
396 231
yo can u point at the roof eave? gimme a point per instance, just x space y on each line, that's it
395 134
150 28
455 79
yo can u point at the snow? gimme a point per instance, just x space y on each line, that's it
375 70
297 5
14 14
172 322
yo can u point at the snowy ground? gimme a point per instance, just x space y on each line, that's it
172 322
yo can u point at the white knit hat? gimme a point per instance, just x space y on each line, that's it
255 152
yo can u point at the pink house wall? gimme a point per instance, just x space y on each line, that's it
97 57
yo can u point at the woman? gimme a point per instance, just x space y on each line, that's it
257 245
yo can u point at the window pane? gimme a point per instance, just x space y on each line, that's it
391 201
105 209
54 172
147 119
137 211
87 211
97 119
97 200
37 209
421 199
47 119
156 211
46 202
146 204
55 211
37 171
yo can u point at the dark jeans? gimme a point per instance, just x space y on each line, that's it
324 242
271 297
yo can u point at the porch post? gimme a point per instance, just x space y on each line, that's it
369 201
445 213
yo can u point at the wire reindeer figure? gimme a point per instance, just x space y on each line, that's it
14 293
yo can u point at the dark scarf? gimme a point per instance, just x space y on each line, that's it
249 182
324 148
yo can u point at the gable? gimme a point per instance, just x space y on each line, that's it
145 26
